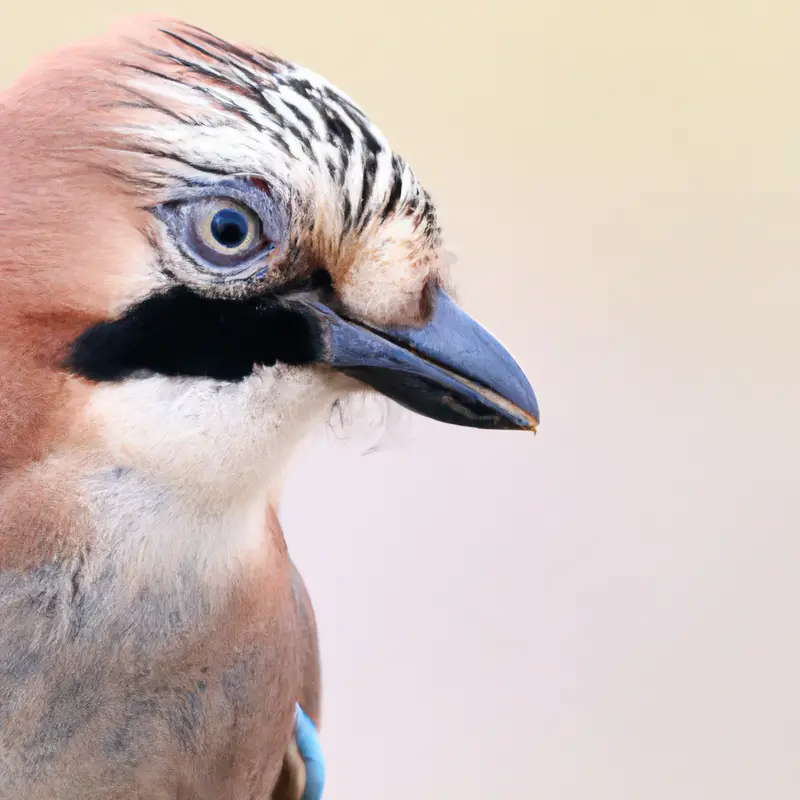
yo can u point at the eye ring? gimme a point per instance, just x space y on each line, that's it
232 229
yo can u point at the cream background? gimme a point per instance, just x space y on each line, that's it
608 610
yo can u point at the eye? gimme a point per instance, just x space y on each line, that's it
231 228
224 233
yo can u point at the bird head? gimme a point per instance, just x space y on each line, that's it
203 246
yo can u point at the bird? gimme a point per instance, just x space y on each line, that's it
203 248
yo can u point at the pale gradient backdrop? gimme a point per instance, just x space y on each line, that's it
608 610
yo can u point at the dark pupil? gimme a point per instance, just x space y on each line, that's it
229 227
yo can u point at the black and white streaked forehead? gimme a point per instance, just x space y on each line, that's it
226 110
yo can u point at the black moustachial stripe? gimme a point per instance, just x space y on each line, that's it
182 333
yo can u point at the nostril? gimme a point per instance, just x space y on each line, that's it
427 301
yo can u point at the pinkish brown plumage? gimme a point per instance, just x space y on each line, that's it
203 247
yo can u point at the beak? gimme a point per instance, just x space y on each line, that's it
452 369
